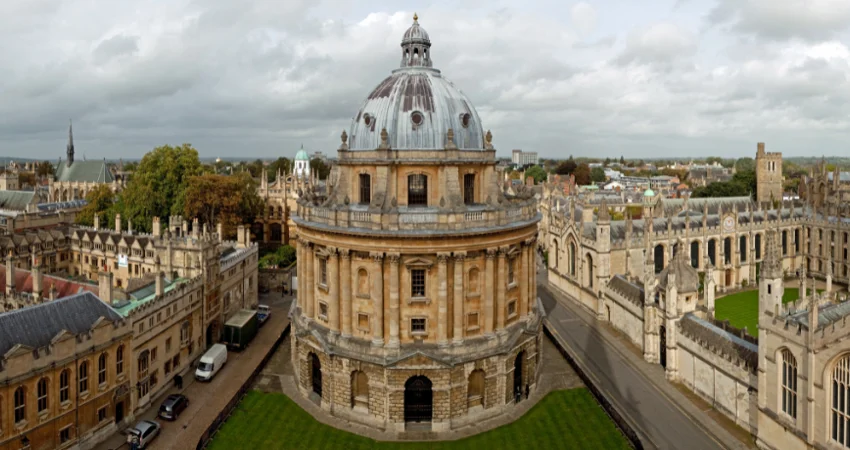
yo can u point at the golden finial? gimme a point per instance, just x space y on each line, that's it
415 17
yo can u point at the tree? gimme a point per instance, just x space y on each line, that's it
622 160
45 169
582 174
158 186
255 168
282 164
282 257
745 165
320 168
597 175
537 173
231 200
566 167
26 179
741 184
101 201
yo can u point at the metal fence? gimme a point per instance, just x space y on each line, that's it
225 413
600 397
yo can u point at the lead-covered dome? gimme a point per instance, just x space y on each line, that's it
416 105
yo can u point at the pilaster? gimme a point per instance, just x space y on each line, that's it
501 285
442 299
458 298
333 289
378 295
489 284
345 291
394 300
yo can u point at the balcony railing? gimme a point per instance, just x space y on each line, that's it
427 218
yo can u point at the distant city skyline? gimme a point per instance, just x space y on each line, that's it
663 78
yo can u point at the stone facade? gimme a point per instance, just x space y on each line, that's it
769 177
416 294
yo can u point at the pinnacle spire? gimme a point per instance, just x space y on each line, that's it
70 148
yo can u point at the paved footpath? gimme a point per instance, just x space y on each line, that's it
206 400
662 416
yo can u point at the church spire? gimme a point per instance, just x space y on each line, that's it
70 148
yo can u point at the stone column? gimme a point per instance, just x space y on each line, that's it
489 281
525 276
266 232
345 291
442 299
532 303
378 295
458 299
333 290
501 285
310 288
395 312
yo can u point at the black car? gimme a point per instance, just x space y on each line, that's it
172 406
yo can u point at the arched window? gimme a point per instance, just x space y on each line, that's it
796 241
64 386
712 252
101 369
727 250
417 190
469 188
363 283
742 248
840 405
695 254
758 246
119 360
83 377
572 258
658 256
554 256
475 389
784 242
365 188
359 389
789 384
589 271
20 404
42 395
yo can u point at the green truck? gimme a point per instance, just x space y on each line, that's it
240 329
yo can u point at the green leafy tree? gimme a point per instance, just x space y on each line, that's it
158 186
622 160
44 169
537 173
231 200
282 164
597 175
255 168
745 165
319 167
283 257
101 201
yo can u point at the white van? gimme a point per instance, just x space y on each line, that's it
211 362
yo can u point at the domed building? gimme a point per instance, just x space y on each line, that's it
416 268
301 167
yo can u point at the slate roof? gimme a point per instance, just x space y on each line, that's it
631 291
827 314
687 278
37 325
720 341
17 200
85 171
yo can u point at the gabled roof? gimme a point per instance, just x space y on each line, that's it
17 200
64 288
36 326
84 171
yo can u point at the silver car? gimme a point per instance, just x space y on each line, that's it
143 433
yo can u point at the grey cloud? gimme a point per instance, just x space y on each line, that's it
116 46
810 20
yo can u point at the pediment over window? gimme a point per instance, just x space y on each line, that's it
419 262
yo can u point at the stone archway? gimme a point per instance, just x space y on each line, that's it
475 389
662 347
517 384
418 400
213 332
315 373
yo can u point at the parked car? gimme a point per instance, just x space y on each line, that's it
263 313
143 433
172 406
211 362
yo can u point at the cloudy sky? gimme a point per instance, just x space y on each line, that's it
593 78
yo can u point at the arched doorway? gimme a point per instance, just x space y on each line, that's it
662 350
518 376
418 399
212 333
316 373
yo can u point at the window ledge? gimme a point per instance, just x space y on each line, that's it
512 316
64 405
473 295
419 333
512 285
21 425
473 328
323 317
84 395
102 387
363 296
423 300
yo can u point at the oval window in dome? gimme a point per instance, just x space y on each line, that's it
367 119
417 118
464 120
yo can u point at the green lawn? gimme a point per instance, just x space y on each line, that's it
569 419
742 308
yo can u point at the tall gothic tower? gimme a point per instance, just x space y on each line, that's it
768 175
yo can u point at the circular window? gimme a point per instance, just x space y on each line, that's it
417 118
464 120
367 119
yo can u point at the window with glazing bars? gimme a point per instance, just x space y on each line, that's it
469 188
365 188
323 271
417 190
417 325
417 283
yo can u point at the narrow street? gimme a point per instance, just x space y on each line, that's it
207 399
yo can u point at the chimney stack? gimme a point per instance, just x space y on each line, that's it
37 280
97 221
185 230
241 237
10 274
157 227
160 278
118 223
219 229
129 226
196 228
105 286
53 291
